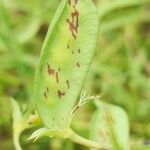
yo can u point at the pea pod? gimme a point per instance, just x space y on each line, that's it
65 59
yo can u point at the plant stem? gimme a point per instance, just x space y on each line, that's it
16 141
83 141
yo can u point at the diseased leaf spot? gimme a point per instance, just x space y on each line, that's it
68 84
50 70
57 78
72 28
60 93
74 22
75 18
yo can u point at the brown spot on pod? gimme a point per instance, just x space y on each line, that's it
50 70
72 28
60 93
75 19
57 78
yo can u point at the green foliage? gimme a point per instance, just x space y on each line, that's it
119 73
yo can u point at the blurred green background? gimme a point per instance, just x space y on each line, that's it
120 71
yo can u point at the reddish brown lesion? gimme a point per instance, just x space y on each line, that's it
68 84
75 18
72 28
57 77
74 21
50 70
60 93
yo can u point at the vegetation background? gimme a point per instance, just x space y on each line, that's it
120 71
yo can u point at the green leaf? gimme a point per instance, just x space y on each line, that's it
114 14
17 129
110 127
66 57
28 29
21 122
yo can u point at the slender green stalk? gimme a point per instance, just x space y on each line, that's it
16 141
83 141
